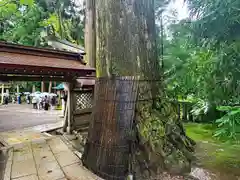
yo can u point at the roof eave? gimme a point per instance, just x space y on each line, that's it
45 52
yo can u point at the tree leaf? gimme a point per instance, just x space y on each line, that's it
27 2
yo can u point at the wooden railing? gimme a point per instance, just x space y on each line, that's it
184 110
82 108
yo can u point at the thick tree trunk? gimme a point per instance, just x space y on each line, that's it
126 38
90 33
126 46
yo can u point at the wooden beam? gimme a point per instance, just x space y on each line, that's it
14 48
39 70
35 78
28 71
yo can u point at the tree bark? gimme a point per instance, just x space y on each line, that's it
90 33
126 46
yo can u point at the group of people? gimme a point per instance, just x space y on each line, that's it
38 101
13 98
44 102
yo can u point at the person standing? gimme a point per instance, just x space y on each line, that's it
28 99
39 102
53 101
19 99
6 100
34 102
46 103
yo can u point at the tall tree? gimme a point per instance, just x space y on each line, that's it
27 22
215 20
212 69
126 46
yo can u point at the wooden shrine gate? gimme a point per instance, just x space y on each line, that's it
23 63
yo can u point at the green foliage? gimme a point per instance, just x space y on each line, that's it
202 60
27 22
200 132
217 21
207 74
27 2
25 28
229 124
200 108
164 138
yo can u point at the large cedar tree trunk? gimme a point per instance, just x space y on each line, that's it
126 46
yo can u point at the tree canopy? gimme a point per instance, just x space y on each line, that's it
202 55
28 22
201 59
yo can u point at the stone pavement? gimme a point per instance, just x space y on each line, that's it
46 127
13 138
44 159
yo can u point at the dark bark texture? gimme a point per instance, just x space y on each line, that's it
126 46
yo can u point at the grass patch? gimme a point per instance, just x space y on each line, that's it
214 154
200 132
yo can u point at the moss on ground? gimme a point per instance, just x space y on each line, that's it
200 132
213 154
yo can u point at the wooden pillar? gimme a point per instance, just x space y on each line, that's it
70 108
50 87
68 124
63 106
33 88
42 86
90 33
17 89
2 93
65 124
54 85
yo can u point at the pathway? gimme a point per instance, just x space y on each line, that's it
44 158
16 116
